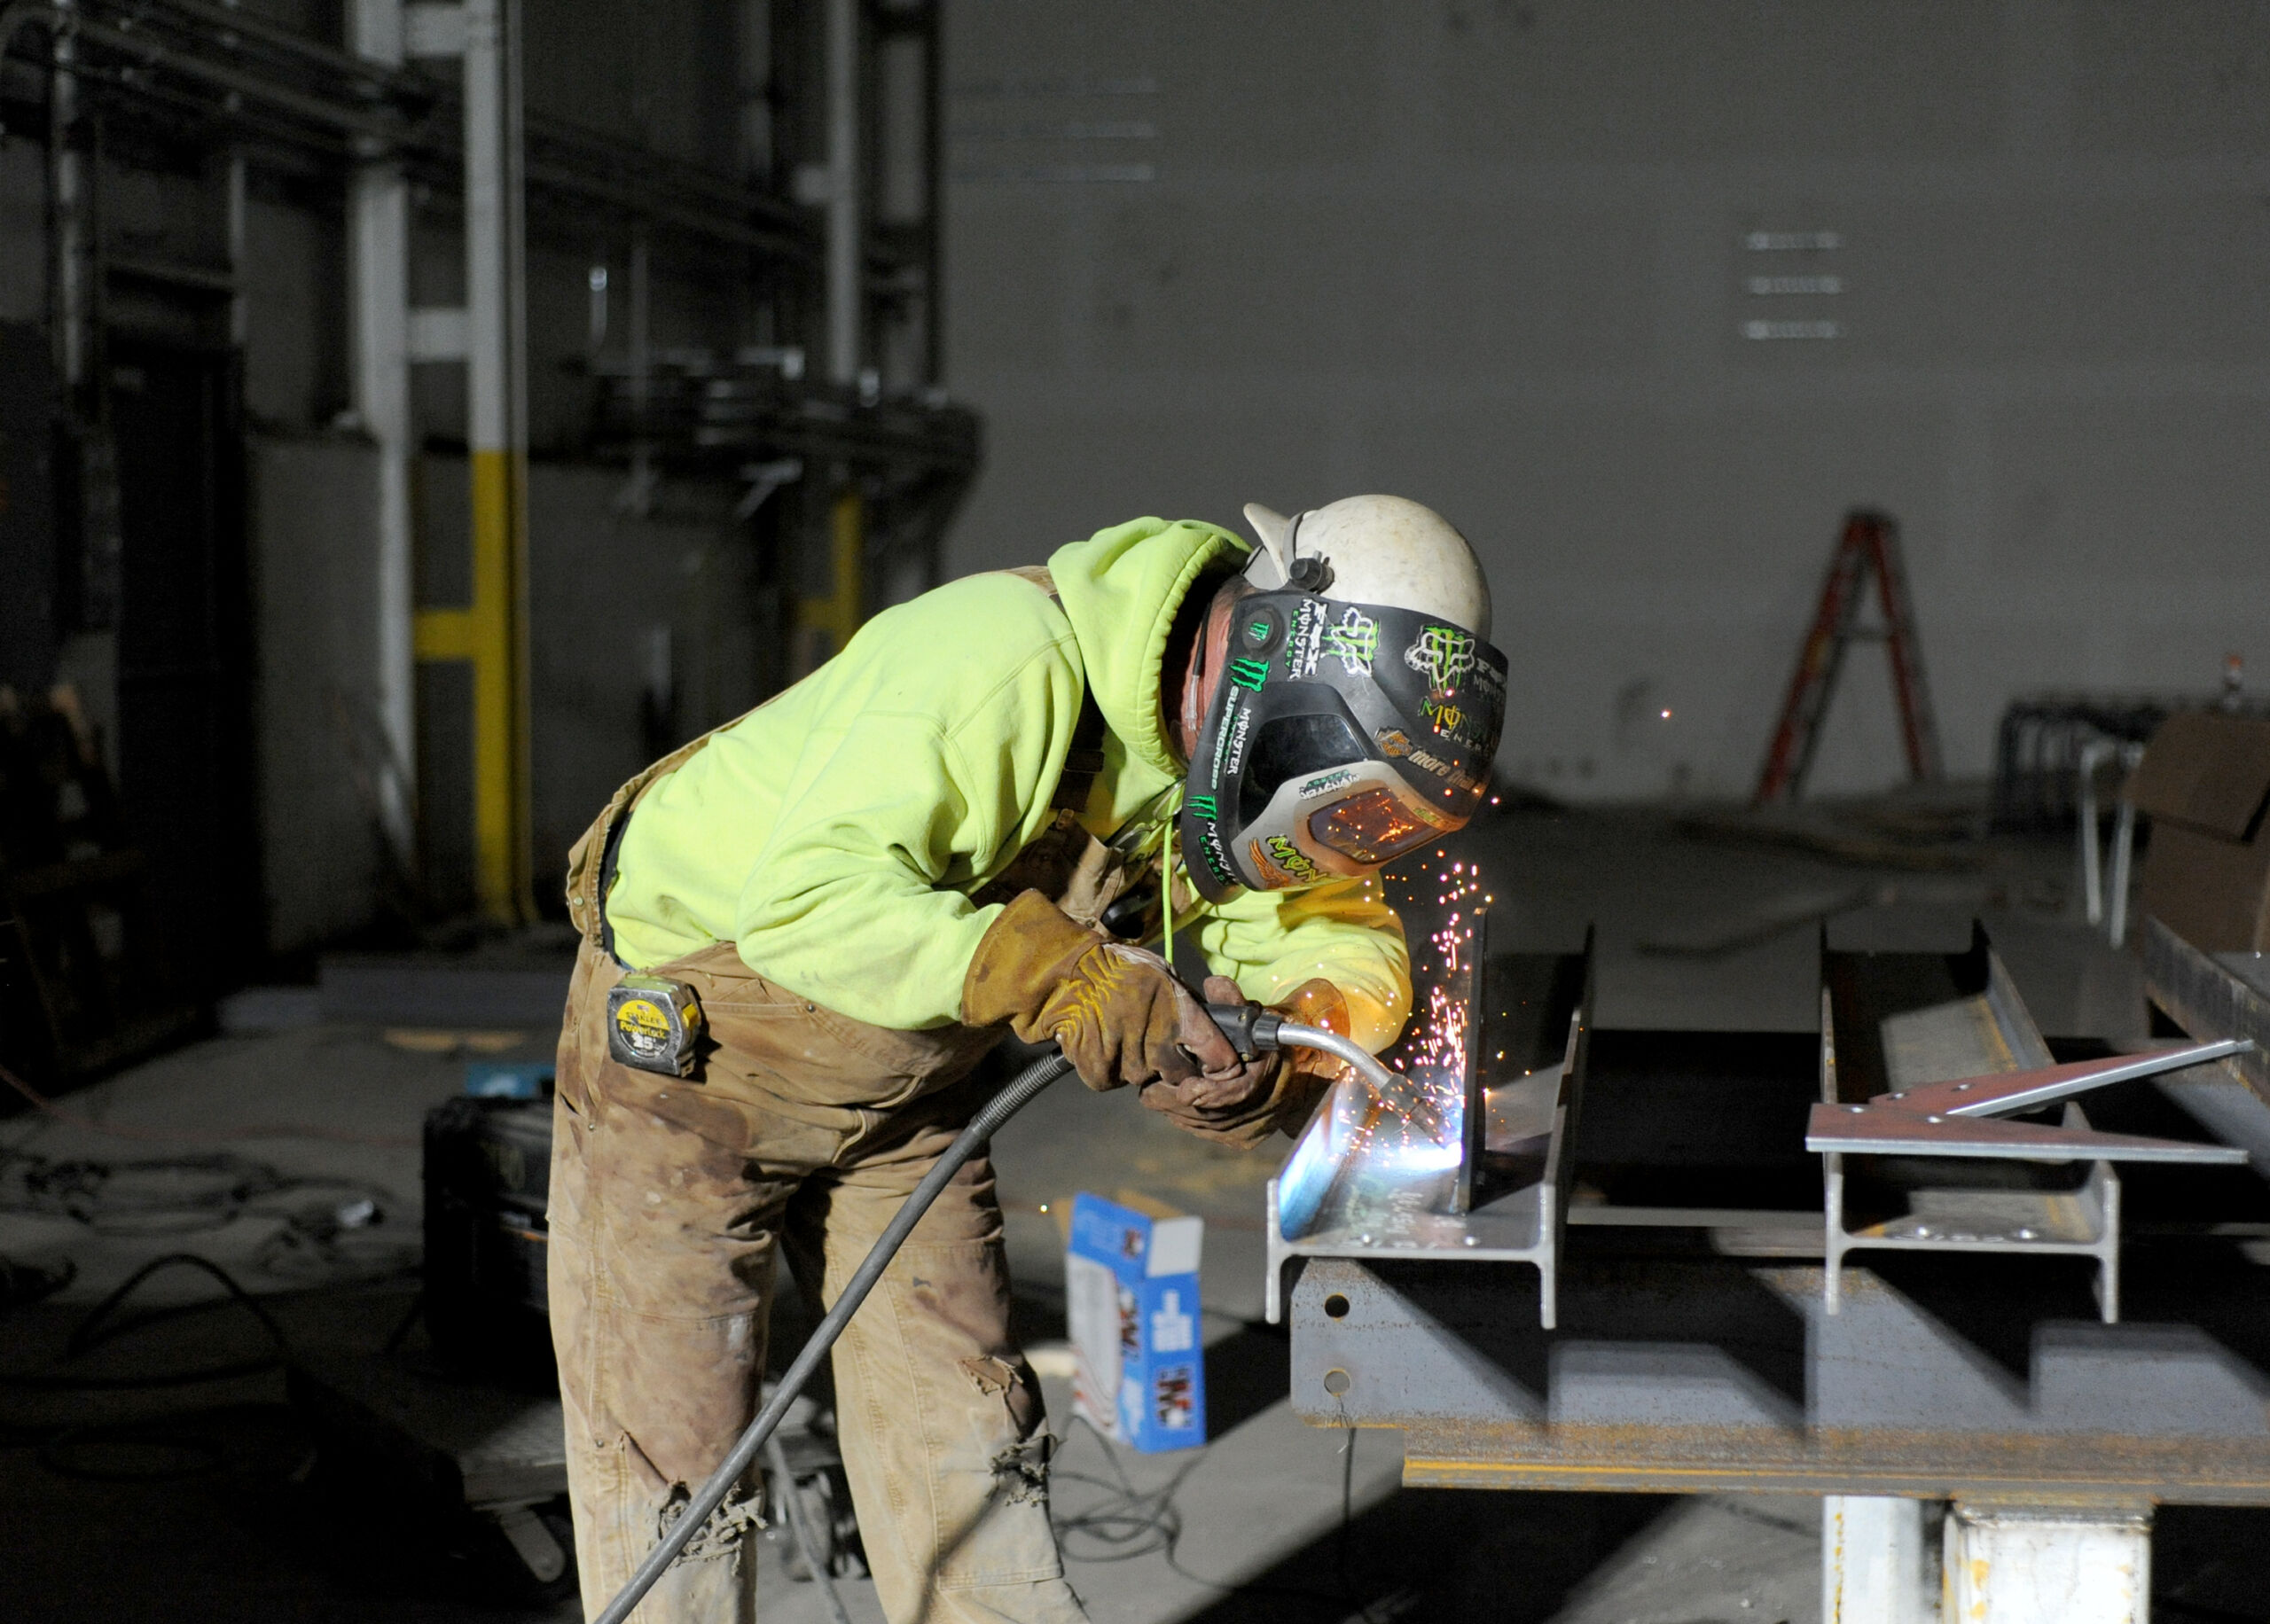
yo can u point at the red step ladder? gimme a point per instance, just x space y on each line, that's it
1869 545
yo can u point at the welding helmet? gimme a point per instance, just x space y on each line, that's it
1360 705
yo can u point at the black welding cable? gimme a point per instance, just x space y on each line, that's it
97 1327
1021 1092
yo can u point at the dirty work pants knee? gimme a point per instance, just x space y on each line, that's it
669 1199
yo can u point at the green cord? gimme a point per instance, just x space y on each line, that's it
1166 875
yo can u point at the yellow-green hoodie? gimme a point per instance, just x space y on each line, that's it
835 833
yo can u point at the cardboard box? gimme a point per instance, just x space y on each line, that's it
2205 784
1131 1288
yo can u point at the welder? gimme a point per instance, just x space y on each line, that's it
801 933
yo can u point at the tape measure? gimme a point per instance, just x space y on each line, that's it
652 1023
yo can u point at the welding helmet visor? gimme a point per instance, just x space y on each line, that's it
1340 736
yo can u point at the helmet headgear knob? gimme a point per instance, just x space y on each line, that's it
1312 573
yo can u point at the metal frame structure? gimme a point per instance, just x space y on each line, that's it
846 248
846 418
2215 996
488 333
1689 1363
2095 753
2043 741
1955 1066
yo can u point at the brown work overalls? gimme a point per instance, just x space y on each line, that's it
803 1129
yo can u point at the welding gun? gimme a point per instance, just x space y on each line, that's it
1255 1029
1252 1029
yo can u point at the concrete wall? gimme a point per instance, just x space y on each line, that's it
1495 256
646 635
643 628
321 752
294 281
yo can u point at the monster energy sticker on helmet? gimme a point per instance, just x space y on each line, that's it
1203 806
1229 742
1221 753
1249 674
1234 760
1218 857
1290 858
1448 718
1307 640
1442 654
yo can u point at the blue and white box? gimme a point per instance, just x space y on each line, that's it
1131 1288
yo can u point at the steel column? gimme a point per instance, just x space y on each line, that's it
1871 1560
379 304
494 633
838 615
2036 1564
846 199
2124 852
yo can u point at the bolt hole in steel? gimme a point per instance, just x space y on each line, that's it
1336 1382
1335 1306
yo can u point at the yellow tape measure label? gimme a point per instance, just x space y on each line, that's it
645 1025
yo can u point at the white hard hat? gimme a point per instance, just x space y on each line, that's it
1374 549
1361 705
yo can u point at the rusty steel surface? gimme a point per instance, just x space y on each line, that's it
2207 996
1940 1378
1879 1129
2107 1469
2006 1091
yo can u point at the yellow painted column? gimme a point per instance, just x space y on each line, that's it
837 616
497 623
500 800
490 633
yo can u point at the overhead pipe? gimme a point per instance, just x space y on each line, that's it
379 239
66 181
846 203
154 55
776 231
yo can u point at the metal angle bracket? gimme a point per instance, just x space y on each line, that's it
1360 1185
1958 1117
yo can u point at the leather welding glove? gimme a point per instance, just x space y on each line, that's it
1117 1012
1240 1107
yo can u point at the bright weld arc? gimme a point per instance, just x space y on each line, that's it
1429 1126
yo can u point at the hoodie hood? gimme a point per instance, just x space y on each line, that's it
1121 589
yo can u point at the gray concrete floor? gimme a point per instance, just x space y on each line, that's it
209 1502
